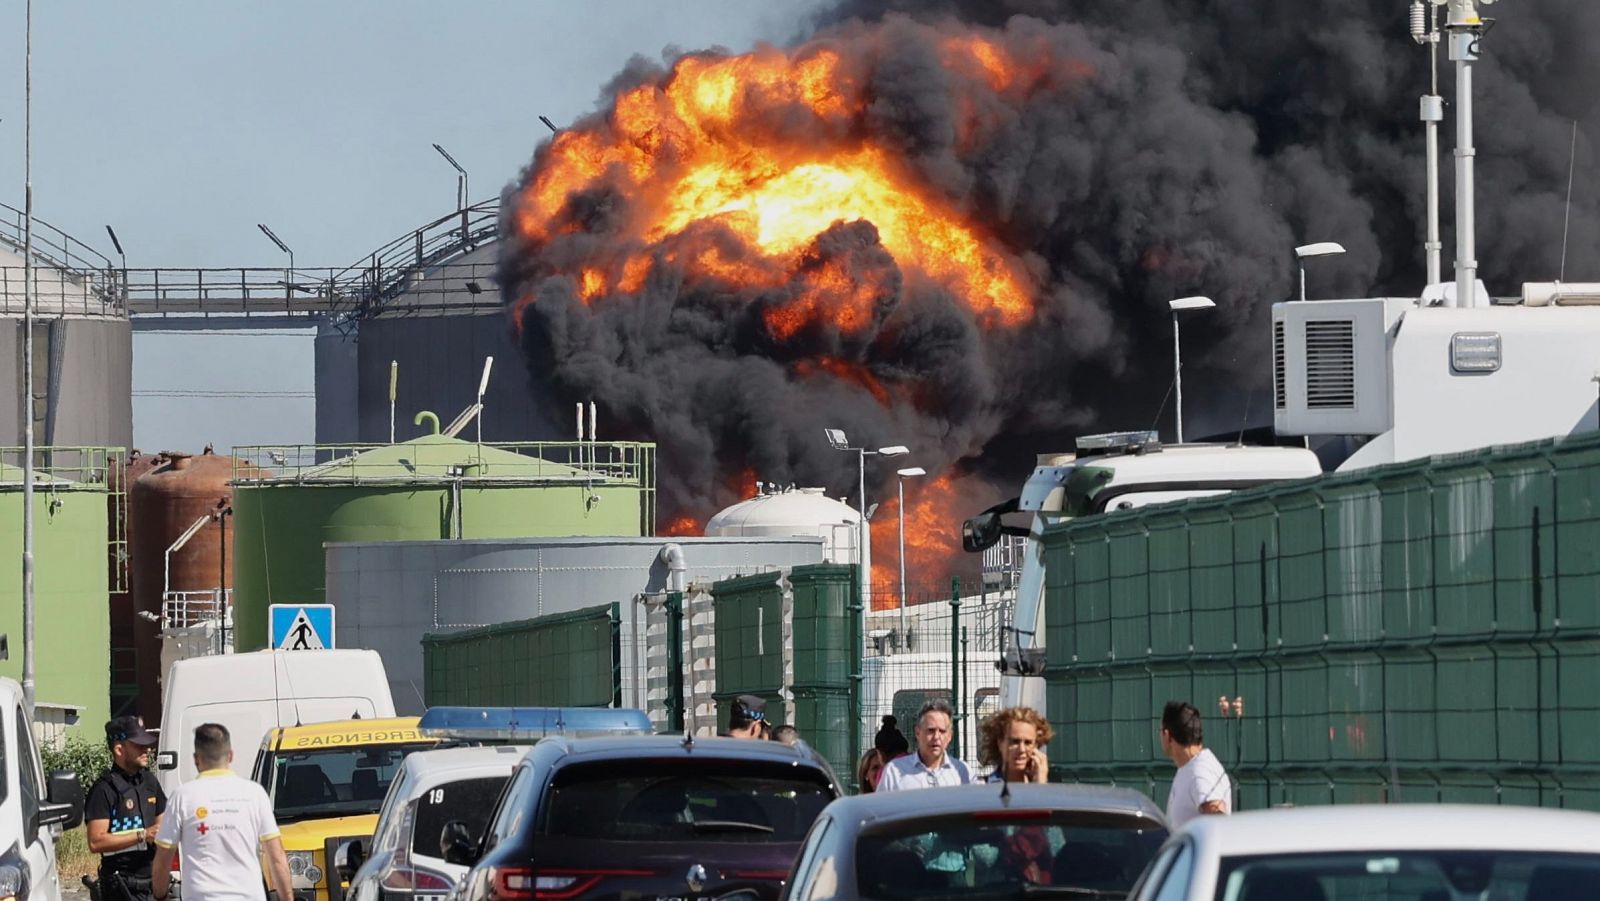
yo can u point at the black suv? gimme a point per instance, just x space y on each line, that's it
650 817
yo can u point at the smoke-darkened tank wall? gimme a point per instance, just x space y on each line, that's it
123 618
167 500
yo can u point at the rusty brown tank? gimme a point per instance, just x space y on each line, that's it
124 657
176 492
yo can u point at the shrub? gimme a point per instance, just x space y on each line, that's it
82 756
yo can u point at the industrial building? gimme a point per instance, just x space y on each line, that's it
387 594
289 502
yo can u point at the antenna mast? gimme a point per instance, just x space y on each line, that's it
1425 30
1465 29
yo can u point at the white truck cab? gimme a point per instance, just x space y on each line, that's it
33 808
1117 471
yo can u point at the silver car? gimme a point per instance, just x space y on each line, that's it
978 842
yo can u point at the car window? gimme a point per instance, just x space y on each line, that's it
513 807
1005 856
1410 876
704 800
384 836
467 800
808 853
344 781
1153 873
1175 884
27 771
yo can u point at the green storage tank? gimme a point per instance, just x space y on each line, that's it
433 487
70 588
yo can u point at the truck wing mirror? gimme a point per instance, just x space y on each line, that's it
64 797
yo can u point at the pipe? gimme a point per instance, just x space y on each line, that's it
677 566
427 416
1465 28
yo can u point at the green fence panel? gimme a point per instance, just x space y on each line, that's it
1421 632
823 645
749 642
825 721
559 660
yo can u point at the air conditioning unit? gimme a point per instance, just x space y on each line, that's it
1331 369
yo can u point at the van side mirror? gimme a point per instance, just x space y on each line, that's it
64 800
347 859
457 844
981 532
167 760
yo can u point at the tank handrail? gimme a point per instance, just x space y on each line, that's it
364 287
51 244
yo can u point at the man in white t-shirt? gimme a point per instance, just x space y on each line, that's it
1201 785
930 766
220 824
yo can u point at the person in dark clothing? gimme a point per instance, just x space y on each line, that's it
890 741
747 718
123 811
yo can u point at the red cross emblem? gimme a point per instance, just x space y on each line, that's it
203 829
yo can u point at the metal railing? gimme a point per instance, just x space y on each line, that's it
182 609
51 245
368 287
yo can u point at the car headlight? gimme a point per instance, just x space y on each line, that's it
303 867
12 882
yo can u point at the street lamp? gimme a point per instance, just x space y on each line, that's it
909 473
118 245
1178 306
838 441
461 179
1323 249
283 247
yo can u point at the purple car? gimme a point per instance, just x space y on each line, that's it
649 817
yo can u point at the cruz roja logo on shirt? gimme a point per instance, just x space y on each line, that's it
202 829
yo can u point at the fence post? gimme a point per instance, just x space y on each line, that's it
675 674
616 654
857 626
955 665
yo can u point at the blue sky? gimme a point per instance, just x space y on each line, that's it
183 124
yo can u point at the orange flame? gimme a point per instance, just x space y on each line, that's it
767 148
934 510
682 527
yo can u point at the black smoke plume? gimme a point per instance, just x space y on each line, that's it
1173 147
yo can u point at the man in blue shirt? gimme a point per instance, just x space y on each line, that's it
930 767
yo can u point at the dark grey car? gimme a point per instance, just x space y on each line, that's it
974 843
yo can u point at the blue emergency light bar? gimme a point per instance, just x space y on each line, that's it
531 723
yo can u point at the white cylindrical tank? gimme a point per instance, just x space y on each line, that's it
794 512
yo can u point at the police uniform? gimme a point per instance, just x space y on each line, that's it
130 803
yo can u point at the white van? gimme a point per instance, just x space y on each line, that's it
255 692
33 808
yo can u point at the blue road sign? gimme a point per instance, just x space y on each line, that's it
300 627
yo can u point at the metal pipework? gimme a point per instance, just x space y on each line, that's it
1465 28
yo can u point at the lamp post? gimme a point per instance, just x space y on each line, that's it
838 441
281 246
909 473
118 245
461 177
1323 249
1178 306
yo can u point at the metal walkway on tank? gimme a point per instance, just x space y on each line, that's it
410 275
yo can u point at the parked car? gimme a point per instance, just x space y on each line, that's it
653 817
979 842
327 782
1410 851
34 808
404 860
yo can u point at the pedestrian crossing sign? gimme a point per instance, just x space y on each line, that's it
300 627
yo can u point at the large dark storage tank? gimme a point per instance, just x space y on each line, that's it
166 501
119 519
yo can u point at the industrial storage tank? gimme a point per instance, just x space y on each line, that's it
119 519
82 341
794 512
72 660
433 487
180 493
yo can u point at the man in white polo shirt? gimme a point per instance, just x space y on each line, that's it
930 766
220 824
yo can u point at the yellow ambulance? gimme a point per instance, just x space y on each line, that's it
327 782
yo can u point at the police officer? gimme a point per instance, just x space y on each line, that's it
747 718
123 812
